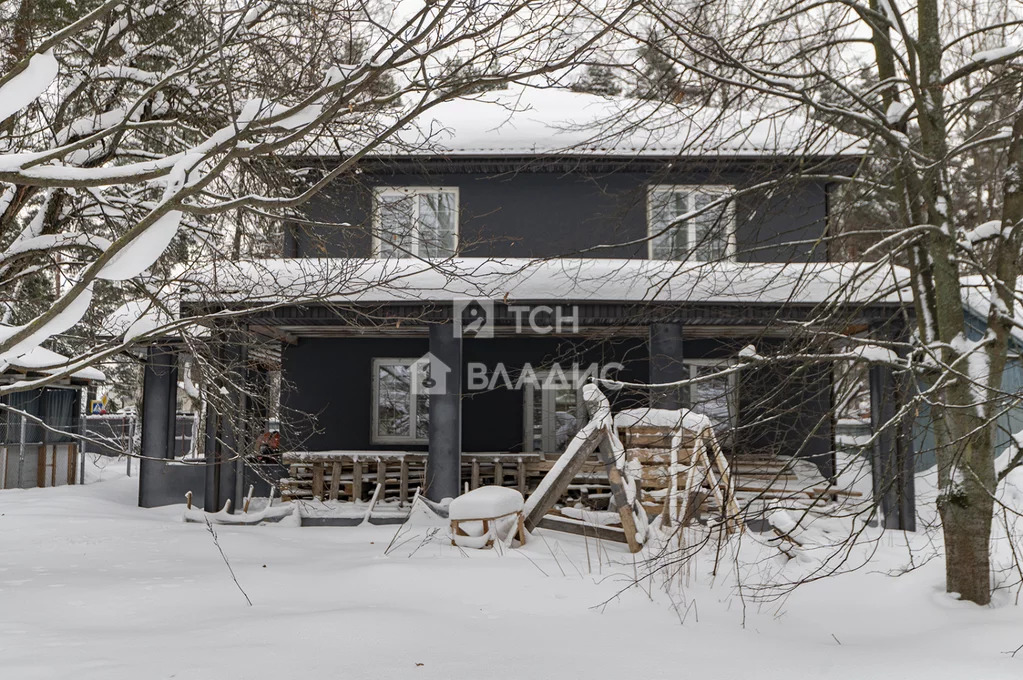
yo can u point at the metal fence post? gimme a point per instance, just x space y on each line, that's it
83 430
22 435
130 421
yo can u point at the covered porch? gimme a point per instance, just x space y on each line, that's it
408 393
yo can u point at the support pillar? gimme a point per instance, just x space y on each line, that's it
159 408
665 345
893 461
224 445
444 464
211 493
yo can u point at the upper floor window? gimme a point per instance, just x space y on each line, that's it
415 222
705 236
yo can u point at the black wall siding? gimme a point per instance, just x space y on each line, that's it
563 214
330 379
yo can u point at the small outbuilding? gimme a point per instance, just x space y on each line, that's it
39 427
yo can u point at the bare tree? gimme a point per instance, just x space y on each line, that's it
131 128
929 68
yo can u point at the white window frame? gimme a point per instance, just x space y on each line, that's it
548 435
733 384
380 192
414 387
713 189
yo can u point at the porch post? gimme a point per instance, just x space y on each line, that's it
893 461
211 494
444 464
159 407
665 345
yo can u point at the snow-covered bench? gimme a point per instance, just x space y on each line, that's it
487 505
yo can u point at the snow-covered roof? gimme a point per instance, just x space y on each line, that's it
135 318
976 293
299 280
42 360
536 121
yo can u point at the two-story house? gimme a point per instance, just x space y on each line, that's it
450 297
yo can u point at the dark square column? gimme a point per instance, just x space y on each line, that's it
159 408
893 465
444 464
666 364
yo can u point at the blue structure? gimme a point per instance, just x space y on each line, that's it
1011 419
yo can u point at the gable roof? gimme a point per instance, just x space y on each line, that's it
524 120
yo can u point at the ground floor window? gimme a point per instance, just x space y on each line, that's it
401 404
717 396
553 414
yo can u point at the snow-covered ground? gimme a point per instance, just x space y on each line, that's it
93 587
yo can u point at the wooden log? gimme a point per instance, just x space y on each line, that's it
403 483
831 491
72 466
335 480
550 490
618 493
357 481
582 529
318 481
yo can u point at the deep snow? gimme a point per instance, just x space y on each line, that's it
93 587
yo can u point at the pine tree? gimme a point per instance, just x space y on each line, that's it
598 79
659 79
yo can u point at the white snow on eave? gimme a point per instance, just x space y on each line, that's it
42 360
976 299
517 280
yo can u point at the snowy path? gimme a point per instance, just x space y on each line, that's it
93 587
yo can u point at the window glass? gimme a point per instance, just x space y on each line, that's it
711 397
703 237
396 222
437 224
709 229
394 391
670 241
416 222
565 415
553 417
422 374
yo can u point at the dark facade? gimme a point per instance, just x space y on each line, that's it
548 208
514 208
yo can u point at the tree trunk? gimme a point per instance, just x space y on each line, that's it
966 479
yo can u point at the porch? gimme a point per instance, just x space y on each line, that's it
356 370
344 488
